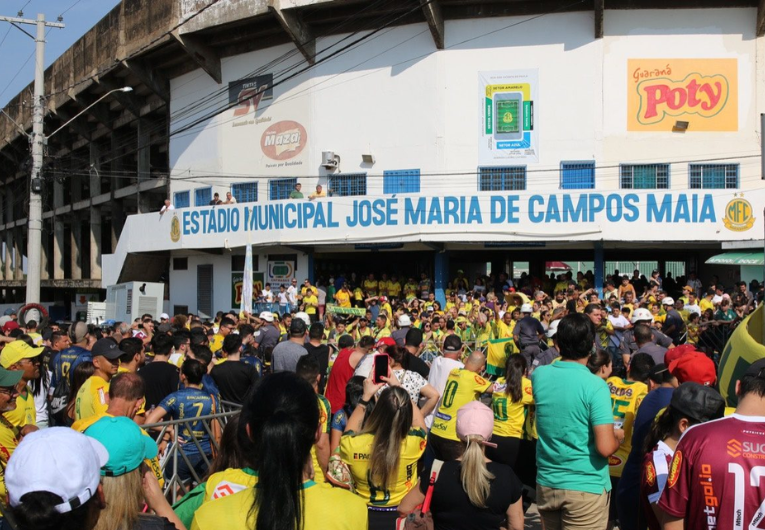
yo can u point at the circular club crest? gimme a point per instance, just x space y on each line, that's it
739 215
175 229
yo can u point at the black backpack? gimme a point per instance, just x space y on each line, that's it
58 404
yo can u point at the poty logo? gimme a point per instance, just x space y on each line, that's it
283 140
734 448
695 94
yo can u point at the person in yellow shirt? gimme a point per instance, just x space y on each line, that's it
707 302
510 399
10 435
382 454
381 327
462 386
18 356
626 397
308 288
410 290
92 398
311 306
343 296
282 427
394 288
216 341
371 286
385 306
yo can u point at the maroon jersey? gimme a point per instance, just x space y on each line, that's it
653 479
717 476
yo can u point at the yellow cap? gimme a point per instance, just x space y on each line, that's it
14 351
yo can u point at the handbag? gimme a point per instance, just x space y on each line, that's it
421 518
338 473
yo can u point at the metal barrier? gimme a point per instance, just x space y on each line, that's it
175 487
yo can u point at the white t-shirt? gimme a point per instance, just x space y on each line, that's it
619 322
284 298
364 368
292 294
692 308
268 295
322 296
439 373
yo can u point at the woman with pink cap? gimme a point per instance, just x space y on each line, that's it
471 492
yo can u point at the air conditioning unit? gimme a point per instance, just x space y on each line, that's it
329 160
128 301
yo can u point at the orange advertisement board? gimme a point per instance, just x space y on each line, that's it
703 92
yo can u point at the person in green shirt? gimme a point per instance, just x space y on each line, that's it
575 426
296 193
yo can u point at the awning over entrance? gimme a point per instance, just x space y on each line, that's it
738 258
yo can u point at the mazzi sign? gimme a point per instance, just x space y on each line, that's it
634 216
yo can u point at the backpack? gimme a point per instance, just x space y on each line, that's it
58 404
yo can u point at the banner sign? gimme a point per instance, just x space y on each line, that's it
237 285
703 92
507 116
280 273
337 310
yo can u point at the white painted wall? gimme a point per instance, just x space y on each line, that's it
411 106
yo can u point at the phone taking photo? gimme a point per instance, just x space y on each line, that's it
381 365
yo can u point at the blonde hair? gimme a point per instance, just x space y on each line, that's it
124 496
476 478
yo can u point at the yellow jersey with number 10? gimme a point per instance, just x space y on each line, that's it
626 397
462 387
356 450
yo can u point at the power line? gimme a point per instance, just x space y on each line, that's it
70 7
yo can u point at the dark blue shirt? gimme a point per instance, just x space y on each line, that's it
254 362
191 403
65 362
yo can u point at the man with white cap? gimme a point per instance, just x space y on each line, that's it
674 325
642 317
527 334
164 318
54 480
269 333
404 324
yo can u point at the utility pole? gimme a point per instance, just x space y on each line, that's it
34 231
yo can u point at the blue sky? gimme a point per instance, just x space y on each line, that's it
16 49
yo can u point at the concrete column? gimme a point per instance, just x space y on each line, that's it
600 266
76 248
441 276
8 273
95 214
118 221
18 270
143 159
58 232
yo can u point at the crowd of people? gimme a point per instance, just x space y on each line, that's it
382 406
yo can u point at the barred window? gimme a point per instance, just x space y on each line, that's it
280 189
202 196
245 191
713 176
510 178
182 199
644 176
577 175
401 181
348 184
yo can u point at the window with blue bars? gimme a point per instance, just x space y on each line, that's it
401 181
280 189
245 191
713 176
577 175
182 199
644 176
348 184
509 178
202 196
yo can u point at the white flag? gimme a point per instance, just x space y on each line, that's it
246 303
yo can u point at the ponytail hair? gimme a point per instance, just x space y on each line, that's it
515 369
597 360
476 478
283 417
661 428
389 422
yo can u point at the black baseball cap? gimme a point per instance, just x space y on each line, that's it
698 402
297 327
452 343
106 348
756 369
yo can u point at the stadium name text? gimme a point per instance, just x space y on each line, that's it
351 212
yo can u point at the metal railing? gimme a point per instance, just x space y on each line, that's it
175 452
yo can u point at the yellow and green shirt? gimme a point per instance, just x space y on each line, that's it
356 449
25 412
92 398
325 416
626 397
462 387
509 416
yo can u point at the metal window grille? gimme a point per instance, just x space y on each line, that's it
205 290
713 176
577 175
348 184
202 196
510 178
644 176
245 191
182 199
401 181
280 189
